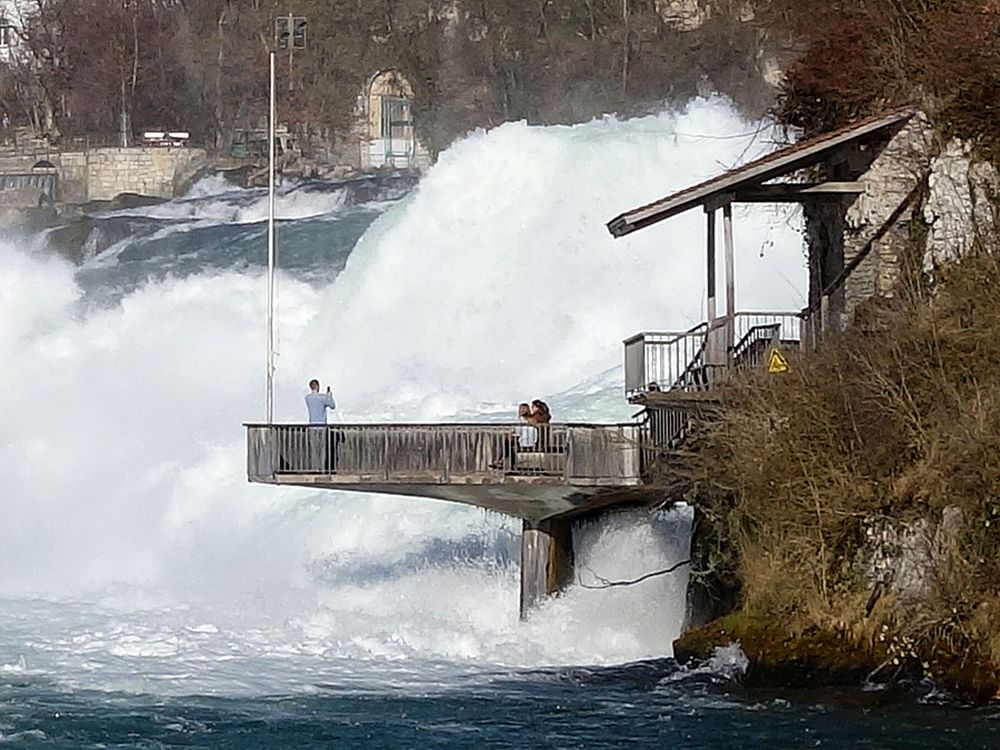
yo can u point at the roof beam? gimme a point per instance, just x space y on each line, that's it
751 176
797 192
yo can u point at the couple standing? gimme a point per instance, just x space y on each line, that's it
532 416
531 434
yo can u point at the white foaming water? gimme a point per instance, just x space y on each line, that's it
213 200
498 281
124 500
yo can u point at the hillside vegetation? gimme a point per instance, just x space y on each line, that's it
851 508
203 65
882 444
855 57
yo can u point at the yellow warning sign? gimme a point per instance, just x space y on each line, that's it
776 362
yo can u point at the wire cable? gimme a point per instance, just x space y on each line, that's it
606 584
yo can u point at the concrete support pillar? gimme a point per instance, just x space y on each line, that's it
546 560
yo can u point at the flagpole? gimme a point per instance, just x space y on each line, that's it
270 253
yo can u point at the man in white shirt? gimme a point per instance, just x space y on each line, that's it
317 403
321 444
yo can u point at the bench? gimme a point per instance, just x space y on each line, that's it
546 456
538 462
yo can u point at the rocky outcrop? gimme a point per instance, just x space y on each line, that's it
816 658
832 657
903 558
683 15
963 204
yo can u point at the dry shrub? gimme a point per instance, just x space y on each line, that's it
892 423
857 57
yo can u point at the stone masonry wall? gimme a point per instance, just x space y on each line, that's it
891 177
959 208
156 172
103 173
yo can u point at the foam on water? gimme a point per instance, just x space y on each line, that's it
215 201
125 506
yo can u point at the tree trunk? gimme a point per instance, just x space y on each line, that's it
593 25
135 53
626 52
218 108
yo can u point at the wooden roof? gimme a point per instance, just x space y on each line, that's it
782 162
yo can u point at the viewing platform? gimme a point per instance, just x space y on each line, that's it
570 468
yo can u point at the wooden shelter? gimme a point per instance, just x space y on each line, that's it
843 155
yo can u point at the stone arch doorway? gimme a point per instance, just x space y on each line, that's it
391 138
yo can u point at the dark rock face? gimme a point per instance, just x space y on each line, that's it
828 658
132 200
713 589
778 659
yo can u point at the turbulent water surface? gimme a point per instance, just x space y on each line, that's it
150 597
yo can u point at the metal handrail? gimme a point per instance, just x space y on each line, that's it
754 335
663 336
665 361
790 323
694 375
655 360
663 430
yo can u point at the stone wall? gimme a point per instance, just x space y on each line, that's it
955 210
103 173
890 178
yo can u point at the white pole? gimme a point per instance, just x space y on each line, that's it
270 255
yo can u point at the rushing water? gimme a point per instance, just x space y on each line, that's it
150 597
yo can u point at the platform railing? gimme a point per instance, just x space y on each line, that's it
789 324
655 360
695 359
445 453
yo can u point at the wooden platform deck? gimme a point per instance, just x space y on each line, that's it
571 469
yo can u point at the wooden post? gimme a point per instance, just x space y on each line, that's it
711 355
727 237
710 269
546 560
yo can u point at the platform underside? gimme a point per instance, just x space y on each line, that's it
531 498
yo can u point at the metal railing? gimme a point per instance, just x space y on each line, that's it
445 453
655 361
695 359
749 351
789 324
663 430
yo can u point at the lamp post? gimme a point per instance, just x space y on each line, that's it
290 34
271 250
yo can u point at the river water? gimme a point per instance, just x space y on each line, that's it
150 597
